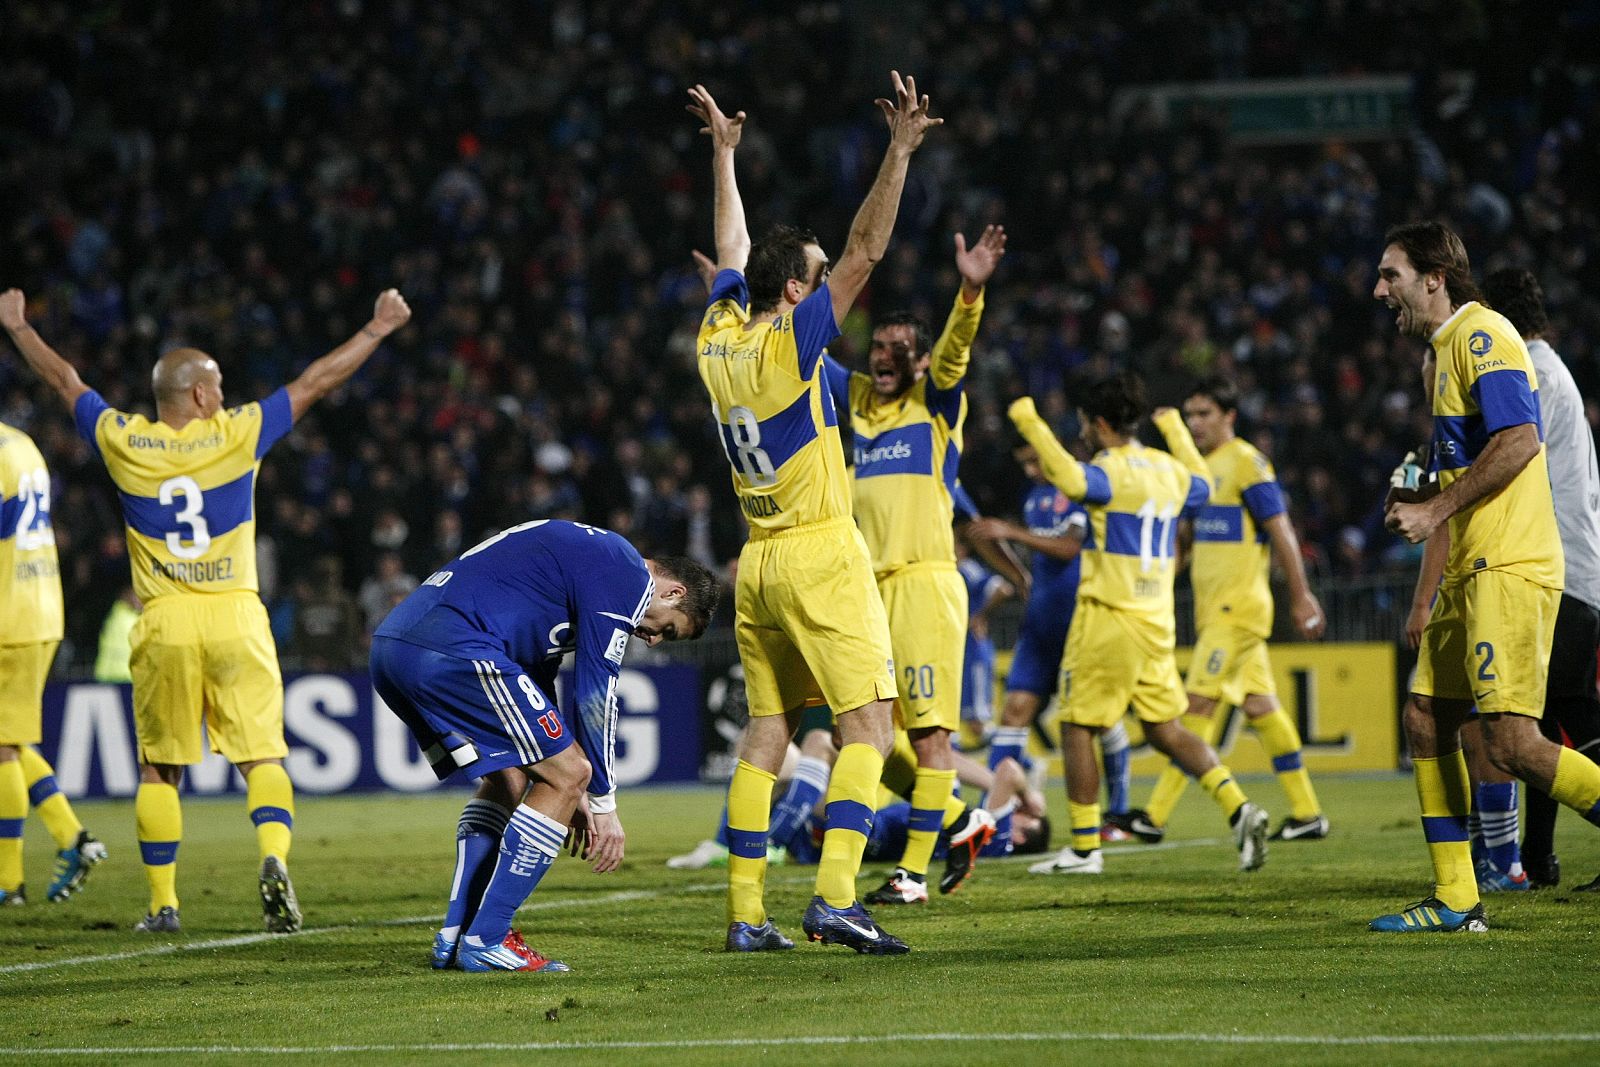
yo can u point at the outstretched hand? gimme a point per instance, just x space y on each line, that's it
723 131
908 114
13 309
390 312
706 267
977 264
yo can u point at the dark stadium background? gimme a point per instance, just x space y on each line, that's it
245 176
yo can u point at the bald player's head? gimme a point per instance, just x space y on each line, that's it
187 384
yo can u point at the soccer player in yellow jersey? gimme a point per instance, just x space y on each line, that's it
1487 641
202 650
1120 647
908 414
807 615
1233 611
30 630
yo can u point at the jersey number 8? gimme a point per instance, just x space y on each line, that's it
745 451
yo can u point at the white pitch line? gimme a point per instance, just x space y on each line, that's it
830 1039
619 897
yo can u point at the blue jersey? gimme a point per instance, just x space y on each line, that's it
532 594
1047 512
977 673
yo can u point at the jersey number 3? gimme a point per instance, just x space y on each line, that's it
189 515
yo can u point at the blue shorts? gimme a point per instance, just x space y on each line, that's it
475 714
1036 663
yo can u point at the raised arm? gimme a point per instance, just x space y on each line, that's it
1060 466
331 371
732 233
874 221
46 362
953 351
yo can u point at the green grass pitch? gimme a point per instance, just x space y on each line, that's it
1170 957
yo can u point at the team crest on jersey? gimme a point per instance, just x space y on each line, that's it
1480 343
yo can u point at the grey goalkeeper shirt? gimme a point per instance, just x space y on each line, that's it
1574 473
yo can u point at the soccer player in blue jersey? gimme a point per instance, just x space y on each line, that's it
202 650
985 591
1054 528
1120 648
30 630
1487 641
468 661
808 617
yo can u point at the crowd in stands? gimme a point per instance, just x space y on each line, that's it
245 176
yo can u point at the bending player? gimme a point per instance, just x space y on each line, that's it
1120 648
1233 612
468 661
202 650
807 612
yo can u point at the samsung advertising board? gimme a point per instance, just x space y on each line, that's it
343 737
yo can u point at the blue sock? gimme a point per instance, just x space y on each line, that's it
1000 843
527 849
1497 811
1115 753
722 827
1009 741
477 838
809 783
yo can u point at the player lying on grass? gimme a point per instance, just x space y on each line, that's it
1017 810
468 661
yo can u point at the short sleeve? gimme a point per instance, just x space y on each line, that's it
1506 400
86 414
1099 490
1264 501
814 328
277 419
729 285
1199 492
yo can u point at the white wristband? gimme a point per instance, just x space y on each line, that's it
603 805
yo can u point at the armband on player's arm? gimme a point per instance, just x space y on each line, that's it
952 352
1059 466
604 804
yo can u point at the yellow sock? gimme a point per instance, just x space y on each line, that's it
1282 742
160 822
928 800
900 767
1577 784
1218 781
13 813
849 822
48 799
1085 820
270 797
1445 795
749 808
1170 786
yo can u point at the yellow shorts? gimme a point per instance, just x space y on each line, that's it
206 657
1109 664
1229 664
23 669
1488 642
808 621
927 608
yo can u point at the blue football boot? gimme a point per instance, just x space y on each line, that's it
444 953
743 937
851 927
1430 916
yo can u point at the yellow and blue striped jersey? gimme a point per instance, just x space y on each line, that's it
1134 496
1229 567
908 452
188 496
1486 383
30 576
771 405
